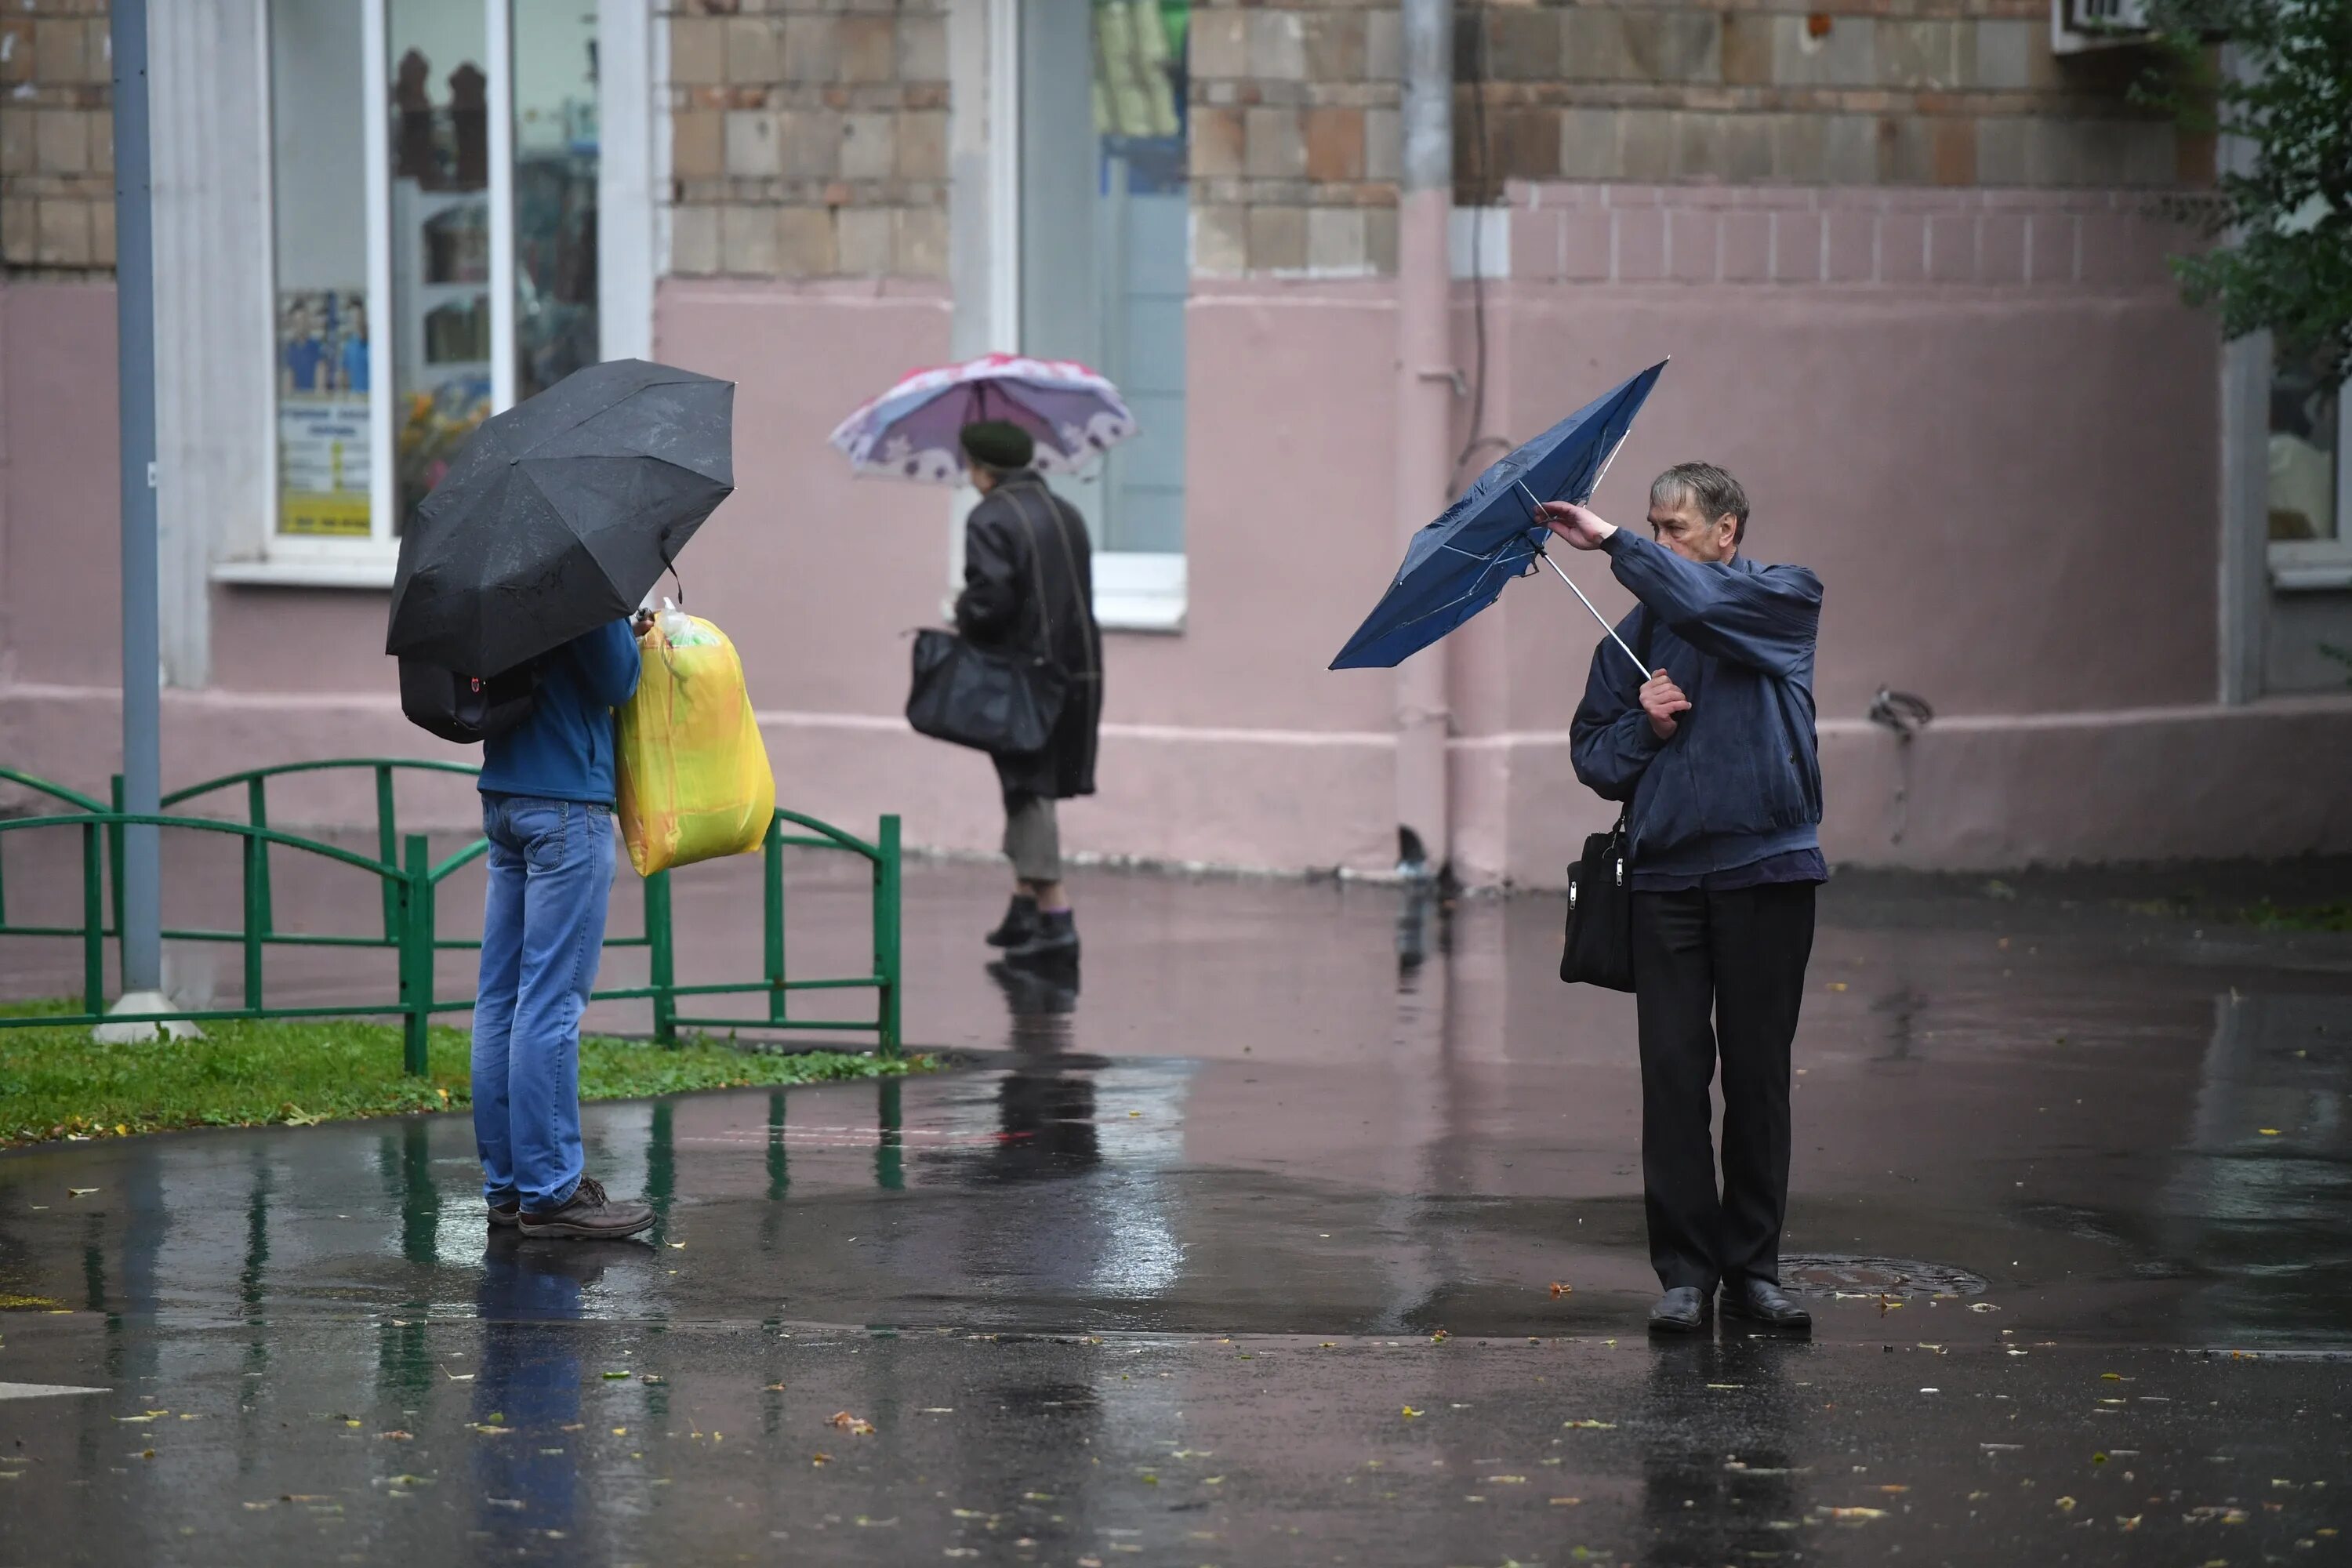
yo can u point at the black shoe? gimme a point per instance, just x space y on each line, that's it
1053 940
1020 921
590 1215
1762 1302
505 1214
1681 1310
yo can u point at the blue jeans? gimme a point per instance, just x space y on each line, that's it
542 936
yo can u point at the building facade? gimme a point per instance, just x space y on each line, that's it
1909 262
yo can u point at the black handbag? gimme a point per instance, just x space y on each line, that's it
997 701
1598 949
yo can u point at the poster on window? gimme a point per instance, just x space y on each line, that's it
322 413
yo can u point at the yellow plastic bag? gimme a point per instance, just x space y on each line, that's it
694 777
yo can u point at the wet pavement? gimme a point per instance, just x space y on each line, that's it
1157 1276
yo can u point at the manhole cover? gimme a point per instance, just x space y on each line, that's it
1829 1275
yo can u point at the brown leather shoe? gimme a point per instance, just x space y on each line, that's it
590 1215
504 1214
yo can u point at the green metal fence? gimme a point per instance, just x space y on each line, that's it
410 882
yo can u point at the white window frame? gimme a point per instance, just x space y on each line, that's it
2318 565
626 228
1135 591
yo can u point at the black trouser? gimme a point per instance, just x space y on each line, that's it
1717 974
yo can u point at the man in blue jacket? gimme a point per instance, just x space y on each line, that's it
547 810
1716 754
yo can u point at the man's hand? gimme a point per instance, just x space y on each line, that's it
1580 526
1662 699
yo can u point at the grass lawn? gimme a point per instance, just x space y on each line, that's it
57 1083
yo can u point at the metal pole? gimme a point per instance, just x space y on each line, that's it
134 307
1424 429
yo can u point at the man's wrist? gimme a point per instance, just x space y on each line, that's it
1609 540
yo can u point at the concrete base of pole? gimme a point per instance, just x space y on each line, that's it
146 1007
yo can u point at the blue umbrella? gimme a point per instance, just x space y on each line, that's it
1457 565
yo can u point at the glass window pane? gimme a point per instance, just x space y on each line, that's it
555 144
2306 427
440 326
318 199
1105 237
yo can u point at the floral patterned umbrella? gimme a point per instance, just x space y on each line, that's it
909 432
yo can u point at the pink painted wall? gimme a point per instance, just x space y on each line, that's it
60 603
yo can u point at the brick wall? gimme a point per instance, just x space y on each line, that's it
809 138
57 139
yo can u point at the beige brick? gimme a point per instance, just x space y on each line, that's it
101 234
19 140
1850 150
865 239
754 144
696 148
869 146
922 243
812 48
1918 54
1334 45
64 234
869 53
1381 240
1906 153
1523 45
1275 144
61 142
2151 154
1383 144
2004 54
1646 144
923 145
20 219
1383 46
1335 143
1217 141
1845 56
18 61
1675 45
694 241
810 144
922 48
755 52
1278 46
102 143
1336 241
698 50
1593 46
61 48
807 238
1220 239
1748 49
1587 143
1219 45
1278 239
748 242
2001 151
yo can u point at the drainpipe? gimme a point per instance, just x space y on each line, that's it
1424 382
134 304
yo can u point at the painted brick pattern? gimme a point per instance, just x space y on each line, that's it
1841 234
808 138
57 139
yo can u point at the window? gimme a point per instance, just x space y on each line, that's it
2309 501
1104 244
434 196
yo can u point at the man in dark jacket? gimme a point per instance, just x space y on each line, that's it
547 810
1716 753
1028 586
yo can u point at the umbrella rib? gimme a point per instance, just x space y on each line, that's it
629 458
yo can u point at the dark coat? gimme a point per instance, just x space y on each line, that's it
1743 767
1028 585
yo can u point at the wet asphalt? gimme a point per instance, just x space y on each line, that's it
1302 1225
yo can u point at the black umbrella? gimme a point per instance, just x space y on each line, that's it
561 515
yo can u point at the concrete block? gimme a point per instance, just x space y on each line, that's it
1221 241
1593 46
1748 49
1692 239
2001 151
1850 150
1216 142
1951 247
101 234
61 143
1336 241
1744 146
1587 143
1796 246
61 48
2005 50
1278 46
869 53
1902 247
1383 144
1381 240
922 243
1906 154
694 241
1918 54
18 61
1675 46
869 146
754 146
1335 145
808 144
1639 255
64 232
20 230
1799 147
1274 144
747 241
865 237
1384 44
1584 246
2151 154
1523 44
1845 56
19 140
1278 239
1334 44
1525 141
812 49
1646 144
1745 246
755 51
2000 247
696 148
922 47
923 145
1850 246
1952 150
806 237
698 50
1218 44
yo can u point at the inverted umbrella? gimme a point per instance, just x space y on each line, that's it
561 515
909 432
1456 566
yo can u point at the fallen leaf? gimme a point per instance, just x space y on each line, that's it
396 1437
610 1376
2131 1523
820 1459
1506 1481
2066 1505
850 1424
1983 1307
620 1431
1558 1290
1837 984
1856 1515
1410 1413
2268 1132
79 1191
1590 1426
1568 1502
512 1502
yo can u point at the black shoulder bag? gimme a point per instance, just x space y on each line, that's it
1599 949
1001 701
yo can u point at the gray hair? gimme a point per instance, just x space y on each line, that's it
1715 492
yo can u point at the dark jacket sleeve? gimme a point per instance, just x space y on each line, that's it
609 664
1765 619
1610 740
988 609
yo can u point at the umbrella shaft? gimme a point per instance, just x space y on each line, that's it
1597 616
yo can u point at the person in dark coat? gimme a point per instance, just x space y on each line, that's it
1028 585
1717 756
